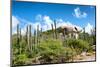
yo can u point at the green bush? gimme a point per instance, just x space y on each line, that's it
52 51
20 59
78 45
48 51
70 53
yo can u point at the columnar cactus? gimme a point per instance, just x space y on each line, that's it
20 38
52 30
37 34
26 38
41 33
17 34
34 40
18 43
84 33
30 38
34 37
55 29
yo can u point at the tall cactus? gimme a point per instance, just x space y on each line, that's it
30 38
34 37
41 33
52 30
17 34
84 33
34 40
37 34
20 38
26 38
55 29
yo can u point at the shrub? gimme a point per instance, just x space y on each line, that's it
20 59
78 45
52 51
49 51
70 53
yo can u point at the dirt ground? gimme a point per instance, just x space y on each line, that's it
85 57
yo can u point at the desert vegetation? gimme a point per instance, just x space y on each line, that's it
43 47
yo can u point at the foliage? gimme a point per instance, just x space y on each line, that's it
90 38
78 45
20 59
48 50
51 50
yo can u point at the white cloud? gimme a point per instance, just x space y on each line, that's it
45 24
60 23
84 14
78 13
43 21
88 28
38 17
47 19
33 25
15 21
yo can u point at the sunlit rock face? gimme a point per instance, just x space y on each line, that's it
70 31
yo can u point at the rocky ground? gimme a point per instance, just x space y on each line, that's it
85 57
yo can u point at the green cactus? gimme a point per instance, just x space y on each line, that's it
52 30
41 33
34 36
37 34
20 38
84 33
17 34
55 29
26 38
30 38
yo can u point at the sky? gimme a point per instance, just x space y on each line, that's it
44 14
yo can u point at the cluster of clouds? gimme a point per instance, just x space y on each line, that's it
15 21
45 22
88 28
79 14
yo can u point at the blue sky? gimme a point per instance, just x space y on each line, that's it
43 14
